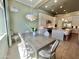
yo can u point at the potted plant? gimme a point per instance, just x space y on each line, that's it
34 31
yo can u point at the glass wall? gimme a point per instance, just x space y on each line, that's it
3 33
2 20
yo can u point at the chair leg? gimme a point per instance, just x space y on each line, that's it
53 57
49 57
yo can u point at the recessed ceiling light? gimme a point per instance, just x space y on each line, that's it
52 10
46 6
55 1
64 10
62 19
61 6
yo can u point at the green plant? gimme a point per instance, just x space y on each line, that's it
34 29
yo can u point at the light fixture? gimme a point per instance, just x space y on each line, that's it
55 1
52 10
69 25
62 19
46 6
74 27
64 10
61 6
30 0
31 17
66 20
78 27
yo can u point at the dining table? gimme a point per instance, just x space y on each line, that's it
37 42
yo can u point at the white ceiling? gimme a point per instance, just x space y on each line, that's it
31 3
38 3
28 2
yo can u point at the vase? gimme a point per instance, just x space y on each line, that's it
34 33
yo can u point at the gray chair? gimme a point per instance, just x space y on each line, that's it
27 49
49 52
58 34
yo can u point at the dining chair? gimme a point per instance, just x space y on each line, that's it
46 34
49 52
58 34
26 48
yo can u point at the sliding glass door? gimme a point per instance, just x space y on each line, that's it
3 32
4 20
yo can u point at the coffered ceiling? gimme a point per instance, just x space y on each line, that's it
53 6
32 3
28 2
61 6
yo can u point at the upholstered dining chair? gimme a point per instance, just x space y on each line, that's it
26 48
48 53
58 34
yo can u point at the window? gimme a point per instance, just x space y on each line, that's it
2 21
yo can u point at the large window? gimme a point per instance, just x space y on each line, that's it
2 20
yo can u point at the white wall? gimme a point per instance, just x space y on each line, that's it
73 17
75 20
44 17
19 23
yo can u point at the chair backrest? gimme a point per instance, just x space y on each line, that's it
41 31
46 33
54 46
58 34
22 40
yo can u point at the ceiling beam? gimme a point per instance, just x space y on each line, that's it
1 4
